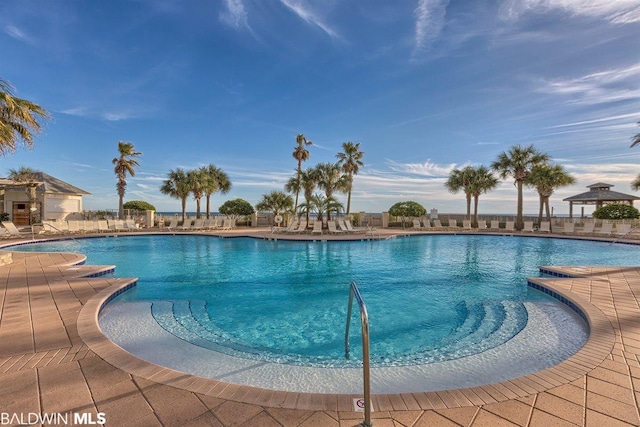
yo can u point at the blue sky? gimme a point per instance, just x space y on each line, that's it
424 85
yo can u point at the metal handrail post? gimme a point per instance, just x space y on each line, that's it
364 320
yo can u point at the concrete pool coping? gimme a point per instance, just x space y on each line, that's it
42 358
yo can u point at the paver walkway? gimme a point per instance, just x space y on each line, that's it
45 367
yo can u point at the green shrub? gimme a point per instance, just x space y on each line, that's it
616 211
139 205
408 209
236 208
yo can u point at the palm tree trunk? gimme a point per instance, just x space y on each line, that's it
121 206
476 199
469 206
184 208
548 210
208 203
541 207
519 224
198 208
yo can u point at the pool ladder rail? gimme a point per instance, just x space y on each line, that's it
364 320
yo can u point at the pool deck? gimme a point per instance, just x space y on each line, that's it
46 306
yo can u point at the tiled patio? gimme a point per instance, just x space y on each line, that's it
45 367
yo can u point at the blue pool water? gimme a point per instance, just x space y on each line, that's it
429 298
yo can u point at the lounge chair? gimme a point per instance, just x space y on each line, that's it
545 227
87 226
416 224
453 224
289 229
482 225
495 225
302 227
331 225
528 226
103 226
510 226
74 226
186 225
197 225
426 224
352 229
569 227
342 226
11 228
622 229
466 224
606 228
173 224
130 225
317 227
588 227
437 224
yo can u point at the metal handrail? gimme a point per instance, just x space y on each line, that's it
624 235
364 320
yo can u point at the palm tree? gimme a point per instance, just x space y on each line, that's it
460 179
197 182
545 179
636 183
636 139
517 163
177 186
330 178
482 180
308 183
276 201
351 162
124 164
301 154
321 204
19 119
216 180
28 177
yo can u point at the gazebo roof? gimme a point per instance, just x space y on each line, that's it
46 183
600 192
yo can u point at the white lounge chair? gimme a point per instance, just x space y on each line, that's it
588 227
130 225
495 225
545 227
74 226
622 229
466 224
437 224
510 226
103 226
528 226
302 227
342 226
11 228
352 229
426 224
569 227
606 228
331 225
482 225
317 227
173 224
197 225
87 226
453 224
416 224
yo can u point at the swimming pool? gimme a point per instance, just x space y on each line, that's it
430 298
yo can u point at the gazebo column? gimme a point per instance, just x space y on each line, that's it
570 209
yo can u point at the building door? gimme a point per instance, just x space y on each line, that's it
20 213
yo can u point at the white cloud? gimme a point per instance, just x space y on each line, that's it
235 14
430 20
309 16
614 11
17 34
427 168
599 87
